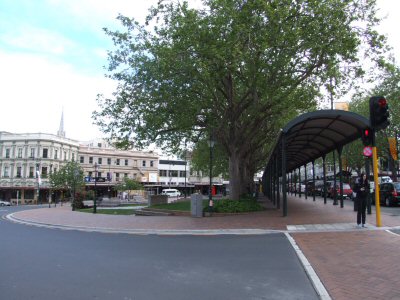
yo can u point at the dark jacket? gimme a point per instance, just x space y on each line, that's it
361 188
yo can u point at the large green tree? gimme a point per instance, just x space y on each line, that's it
68 177
388 86
236 69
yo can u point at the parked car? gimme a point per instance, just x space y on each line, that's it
347 191
384 179
171 192
302 189
4 203
319 187
328 189
310 188
389 193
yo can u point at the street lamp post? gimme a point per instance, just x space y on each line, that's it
109 178
38 183
95 188
211 144
185 169
50 190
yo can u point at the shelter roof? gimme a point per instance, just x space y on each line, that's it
315 134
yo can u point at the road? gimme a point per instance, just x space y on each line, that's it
42 263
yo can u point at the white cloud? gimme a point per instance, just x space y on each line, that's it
34 90
38 40
390 11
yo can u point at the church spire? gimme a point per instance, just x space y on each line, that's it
61 131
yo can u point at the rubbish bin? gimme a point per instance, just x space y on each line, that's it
196 205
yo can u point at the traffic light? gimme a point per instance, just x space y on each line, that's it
378 112
367 137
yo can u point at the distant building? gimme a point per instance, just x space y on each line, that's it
111 165
27 159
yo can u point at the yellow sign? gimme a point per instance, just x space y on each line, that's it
342 106
392 147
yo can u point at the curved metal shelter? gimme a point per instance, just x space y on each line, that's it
307 138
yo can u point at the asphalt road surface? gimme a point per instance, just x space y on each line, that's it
42 263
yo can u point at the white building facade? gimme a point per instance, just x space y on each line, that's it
27 159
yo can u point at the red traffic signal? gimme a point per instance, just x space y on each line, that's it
378 112
367 137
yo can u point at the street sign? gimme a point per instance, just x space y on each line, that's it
367 151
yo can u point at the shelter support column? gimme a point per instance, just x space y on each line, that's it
284 200
299 182
313 179
340 176
334 179
273 183
367 171
278 194
324 174
305 181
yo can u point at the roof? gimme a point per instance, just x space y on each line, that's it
315 134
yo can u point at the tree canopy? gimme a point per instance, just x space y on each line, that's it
69 177
237 70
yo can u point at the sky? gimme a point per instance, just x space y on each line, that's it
53 55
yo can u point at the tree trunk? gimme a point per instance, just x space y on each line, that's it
235 183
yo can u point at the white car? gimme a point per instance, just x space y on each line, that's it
384 179
4 203
171 192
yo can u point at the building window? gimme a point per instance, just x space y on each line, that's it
143 163
19 172
82 159
134 175
19 152
90 174
126 175
73 156
65 155
45 152
135 163
163 173
98 174
8 153
99 160
117 162
31 172
90 159
151 163
126 162
44 172
116 176
108 161
99 145
182 173
173 173
55 154
32 153
6 174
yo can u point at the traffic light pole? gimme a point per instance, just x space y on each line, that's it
377 200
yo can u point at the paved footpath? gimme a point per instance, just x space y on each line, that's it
352 263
